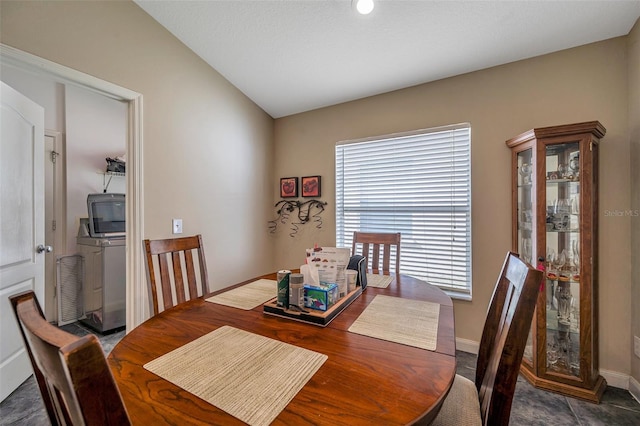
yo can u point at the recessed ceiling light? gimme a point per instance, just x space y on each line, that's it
364 7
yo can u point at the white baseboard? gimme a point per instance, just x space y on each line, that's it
613 378
470 346
634 388
616 379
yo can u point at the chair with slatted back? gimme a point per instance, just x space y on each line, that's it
504 337
72 373
171 272
374 245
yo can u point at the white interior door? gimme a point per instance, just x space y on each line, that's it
22 224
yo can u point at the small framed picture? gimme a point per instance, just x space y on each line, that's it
311 186
288 187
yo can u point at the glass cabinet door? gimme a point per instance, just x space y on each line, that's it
525 206
525 220
562 261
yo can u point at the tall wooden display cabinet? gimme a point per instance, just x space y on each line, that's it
555 227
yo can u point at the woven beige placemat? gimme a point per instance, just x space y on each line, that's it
406 321
379 281
247 296
249 376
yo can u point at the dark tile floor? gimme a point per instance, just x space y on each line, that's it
533 406
530 406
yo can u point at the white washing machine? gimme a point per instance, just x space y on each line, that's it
104 284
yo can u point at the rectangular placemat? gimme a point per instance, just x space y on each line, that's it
247 296
249 376
379 281
406 321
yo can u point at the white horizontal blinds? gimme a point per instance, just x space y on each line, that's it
420 185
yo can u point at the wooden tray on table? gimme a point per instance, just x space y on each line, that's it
312 316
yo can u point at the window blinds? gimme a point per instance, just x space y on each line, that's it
418 184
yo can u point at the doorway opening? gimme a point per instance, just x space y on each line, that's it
136 297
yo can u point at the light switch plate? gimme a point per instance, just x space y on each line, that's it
636 346
177 226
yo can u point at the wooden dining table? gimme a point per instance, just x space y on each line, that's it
364 381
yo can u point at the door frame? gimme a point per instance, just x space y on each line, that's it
136 296
58 235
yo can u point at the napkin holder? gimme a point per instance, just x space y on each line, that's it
359 263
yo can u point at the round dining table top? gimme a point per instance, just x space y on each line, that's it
364 380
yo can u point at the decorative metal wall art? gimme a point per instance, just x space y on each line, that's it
307 211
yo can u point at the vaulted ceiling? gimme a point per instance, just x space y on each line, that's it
294 56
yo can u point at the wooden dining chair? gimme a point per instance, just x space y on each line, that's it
174 258
72 372
377 245
504 337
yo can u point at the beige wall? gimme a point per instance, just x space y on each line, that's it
207 148
581 84
634 130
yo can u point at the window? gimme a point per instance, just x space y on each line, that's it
416 183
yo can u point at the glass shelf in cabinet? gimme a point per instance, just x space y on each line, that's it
557 181
562 148
573 279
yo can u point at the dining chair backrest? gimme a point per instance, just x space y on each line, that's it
174 262
72 373
377 246
504 338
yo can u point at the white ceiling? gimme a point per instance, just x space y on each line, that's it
293 56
